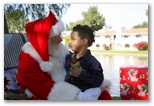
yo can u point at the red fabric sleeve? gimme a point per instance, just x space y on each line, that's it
32 77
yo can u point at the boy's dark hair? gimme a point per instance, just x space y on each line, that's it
85 31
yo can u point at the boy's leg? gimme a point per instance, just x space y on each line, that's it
89 94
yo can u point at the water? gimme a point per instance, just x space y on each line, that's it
111 64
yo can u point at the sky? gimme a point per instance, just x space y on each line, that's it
116 15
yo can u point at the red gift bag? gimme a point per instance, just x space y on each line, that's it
134 83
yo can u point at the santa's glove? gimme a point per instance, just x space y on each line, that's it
46 66
105 85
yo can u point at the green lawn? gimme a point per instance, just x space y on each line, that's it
120 51
116 98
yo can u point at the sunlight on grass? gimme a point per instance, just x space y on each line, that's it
120 51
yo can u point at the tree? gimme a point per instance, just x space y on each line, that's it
91 18
32 11
6 30
67 27
147 13
16 21
67 40
142 25
72 24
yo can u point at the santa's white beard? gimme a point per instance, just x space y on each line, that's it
57 58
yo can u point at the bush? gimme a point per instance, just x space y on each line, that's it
67 40
106 47
142 46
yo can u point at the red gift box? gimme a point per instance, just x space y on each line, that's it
134 83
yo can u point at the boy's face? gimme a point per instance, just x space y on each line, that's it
76 42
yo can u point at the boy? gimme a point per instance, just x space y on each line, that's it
89 75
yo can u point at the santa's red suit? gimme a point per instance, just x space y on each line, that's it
30 76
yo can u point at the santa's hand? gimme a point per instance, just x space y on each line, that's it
46 66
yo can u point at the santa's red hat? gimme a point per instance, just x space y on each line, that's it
39 31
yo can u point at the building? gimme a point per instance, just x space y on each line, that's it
120 39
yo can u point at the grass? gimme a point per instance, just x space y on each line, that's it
116 98
120 51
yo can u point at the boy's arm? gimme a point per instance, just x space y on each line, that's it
95 77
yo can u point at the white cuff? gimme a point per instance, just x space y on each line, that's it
46 66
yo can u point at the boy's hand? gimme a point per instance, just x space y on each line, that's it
76 71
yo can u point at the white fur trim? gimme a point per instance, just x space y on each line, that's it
46 66
28 48
58 71
63 91
55 68
28 93
105 85
56 29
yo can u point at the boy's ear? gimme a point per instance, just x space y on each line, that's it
85 41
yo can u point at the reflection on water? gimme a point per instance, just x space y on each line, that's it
111 64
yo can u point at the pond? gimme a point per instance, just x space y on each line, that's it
111 64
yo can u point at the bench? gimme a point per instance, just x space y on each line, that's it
12 49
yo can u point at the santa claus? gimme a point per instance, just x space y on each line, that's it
44 54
